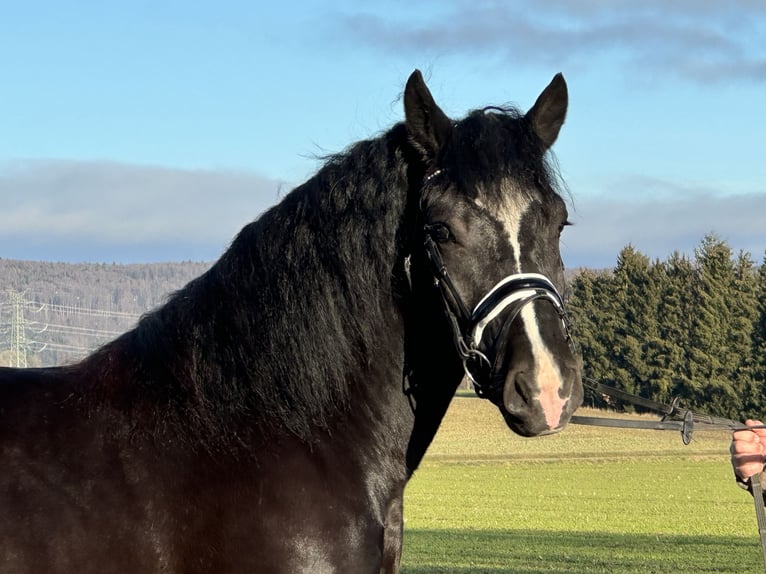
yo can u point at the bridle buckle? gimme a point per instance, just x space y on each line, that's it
476 365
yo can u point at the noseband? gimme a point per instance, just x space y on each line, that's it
510 295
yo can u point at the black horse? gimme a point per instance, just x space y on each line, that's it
268 416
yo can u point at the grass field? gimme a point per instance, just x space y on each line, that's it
587 500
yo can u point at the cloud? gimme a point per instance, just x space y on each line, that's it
660 222
52 207
703 42
103 211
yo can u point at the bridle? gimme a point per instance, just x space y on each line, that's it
503 302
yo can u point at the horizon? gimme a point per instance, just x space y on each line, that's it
735 252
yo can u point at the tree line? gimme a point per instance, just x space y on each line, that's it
687 327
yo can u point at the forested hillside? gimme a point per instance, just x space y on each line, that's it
694 328
55 313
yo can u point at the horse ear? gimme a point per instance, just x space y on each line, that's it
548 114
428 126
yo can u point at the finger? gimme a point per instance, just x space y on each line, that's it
746 466
760 432
746 436
747 447
747 471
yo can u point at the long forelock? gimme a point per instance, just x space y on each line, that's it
496 143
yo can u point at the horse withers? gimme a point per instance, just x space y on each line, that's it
268 416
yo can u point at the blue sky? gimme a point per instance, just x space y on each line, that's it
152 131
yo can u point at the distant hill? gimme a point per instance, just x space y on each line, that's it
56 313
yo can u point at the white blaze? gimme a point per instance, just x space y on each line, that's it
547 376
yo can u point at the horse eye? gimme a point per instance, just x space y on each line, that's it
439 232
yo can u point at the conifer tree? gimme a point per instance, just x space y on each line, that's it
695 329
742 325
674 315
711 360
637 301
759 344
592 323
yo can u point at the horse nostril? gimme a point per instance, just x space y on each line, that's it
523 386
518 394
568 378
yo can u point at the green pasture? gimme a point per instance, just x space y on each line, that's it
586 500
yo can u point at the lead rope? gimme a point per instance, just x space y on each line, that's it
760 513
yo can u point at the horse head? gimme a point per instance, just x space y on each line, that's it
489 219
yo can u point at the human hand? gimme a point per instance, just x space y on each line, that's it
748 450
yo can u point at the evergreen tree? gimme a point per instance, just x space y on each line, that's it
759 344
711 359
674 315
742 326
637 301
692 328
592 317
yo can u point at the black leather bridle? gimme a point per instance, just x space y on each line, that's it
503 302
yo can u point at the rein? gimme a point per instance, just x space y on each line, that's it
677 419
673 416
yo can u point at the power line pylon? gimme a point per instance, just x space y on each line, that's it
18 329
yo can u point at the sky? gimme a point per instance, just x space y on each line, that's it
153 131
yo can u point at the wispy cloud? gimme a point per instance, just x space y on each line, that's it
703 42
100 211
50 205
661 222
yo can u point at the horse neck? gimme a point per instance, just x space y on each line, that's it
434 368
298 320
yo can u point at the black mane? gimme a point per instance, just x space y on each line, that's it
320 264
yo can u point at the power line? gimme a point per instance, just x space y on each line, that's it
85 331
69 349
22 335
77 310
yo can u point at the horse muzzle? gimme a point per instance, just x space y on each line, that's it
536 391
